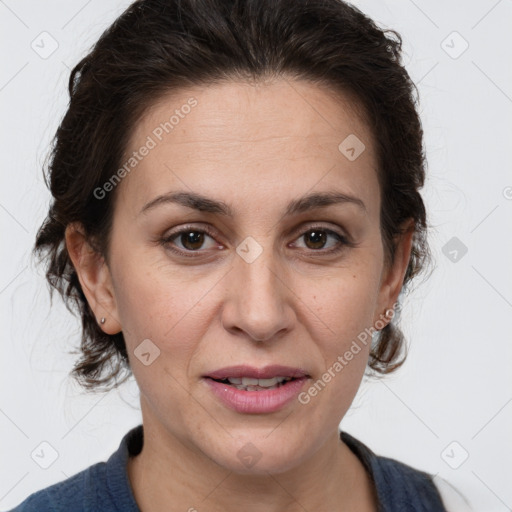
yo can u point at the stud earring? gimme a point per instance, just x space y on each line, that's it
102 321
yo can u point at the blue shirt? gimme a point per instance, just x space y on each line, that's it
105 486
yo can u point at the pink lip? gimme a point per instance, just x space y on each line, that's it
256 402
267 372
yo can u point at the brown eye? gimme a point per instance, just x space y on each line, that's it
192 240
319 239
315 238
189 241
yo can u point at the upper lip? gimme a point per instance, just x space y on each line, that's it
267 372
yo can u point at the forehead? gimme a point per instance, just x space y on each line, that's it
237 141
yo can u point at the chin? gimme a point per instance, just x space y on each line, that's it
257 455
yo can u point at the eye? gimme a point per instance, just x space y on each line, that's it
322 239
189 240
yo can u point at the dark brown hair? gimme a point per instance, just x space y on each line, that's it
157 46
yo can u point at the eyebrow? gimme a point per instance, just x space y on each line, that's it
204 204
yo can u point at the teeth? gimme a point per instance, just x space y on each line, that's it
265 383
248 382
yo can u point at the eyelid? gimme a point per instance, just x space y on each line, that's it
297 231
312 225
344 238
186 228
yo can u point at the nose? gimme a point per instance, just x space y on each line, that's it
258 300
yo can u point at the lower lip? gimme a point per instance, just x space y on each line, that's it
256 401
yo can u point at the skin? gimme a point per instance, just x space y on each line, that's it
256 147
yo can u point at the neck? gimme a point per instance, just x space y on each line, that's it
169 472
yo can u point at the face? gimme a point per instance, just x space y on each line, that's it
242 269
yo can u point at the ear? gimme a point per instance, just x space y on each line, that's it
95 279
393 273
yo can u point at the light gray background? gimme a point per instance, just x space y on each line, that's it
456 385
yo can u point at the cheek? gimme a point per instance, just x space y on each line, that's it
348 314
155 305
166 305
343 345
344 305
346 302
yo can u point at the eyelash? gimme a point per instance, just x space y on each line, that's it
165 241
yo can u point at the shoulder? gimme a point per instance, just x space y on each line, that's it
72 495
399 487
429 487
103 486
452 498
401 483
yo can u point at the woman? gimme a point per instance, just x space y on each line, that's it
235 214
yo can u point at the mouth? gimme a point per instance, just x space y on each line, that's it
252 384
248 376
248 389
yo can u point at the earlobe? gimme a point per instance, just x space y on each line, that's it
393 275
95 279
